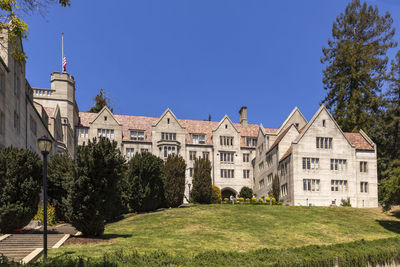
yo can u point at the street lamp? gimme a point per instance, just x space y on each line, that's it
45 147
189 190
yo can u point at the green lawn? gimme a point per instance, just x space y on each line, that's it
241 228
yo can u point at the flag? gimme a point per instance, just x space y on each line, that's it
64 64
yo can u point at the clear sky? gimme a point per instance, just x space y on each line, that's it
197 57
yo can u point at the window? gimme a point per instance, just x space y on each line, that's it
83 132
169 150
296 125
2 123
227 157
261 166
129 152
324 142
363 166
268 159
226 140
246 157
270 176
227 173
310 163
198 139
284 190
17 80
261 148
246 174
109 133
262 184
206 155
190 172
339 186
137 135
168 136
338 164
252 142
364 187
192 155
323 123
284 169
16 121
311 185
144 150
105 118
33 125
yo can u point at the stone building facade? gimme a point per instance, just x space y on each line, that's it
316 162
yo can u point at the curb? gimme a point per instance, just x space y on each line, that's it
61 241
33 256
4 237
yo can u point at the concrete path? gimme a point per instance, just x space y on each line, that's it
28 246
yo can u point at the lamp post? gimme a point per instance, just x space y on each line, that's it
189 190
44 147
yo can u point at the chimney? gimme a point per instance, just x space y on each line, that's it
243 116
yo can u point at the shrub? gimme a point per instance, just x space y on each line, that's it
267 200
216 195
51 215
202 181
144 186
174 180
226 200
94 195
253 200
20 185
345 202
247 200
60 173
276 187
273 201
260 200
241 200
246 192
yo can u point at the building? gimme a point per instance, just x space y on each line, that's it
316 162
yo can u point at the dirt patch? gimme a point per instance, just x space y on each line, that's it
86 240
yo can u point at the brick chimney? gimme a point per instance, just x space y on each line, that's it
243 116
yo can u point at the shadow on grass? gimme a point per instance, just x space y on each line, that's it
396 213
393 226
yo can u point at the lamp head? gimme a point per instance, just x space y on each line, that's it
45 144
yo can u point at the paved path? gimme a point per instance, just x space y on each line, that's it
28 245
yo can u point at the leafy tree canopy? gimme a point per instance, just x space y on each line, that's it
101 100
202 190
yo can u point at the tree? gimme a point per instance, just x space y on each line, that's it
202 190
389 189
246 192
145 189
216 197
20 186
16 28
93 195
174 180
101 100
60 174
276 187
356 64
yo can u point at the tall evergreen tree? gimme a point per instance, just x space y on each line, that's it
356 64
202 190
174 180
276 187
100 100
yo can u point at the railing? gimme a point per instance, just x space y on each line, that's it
43 92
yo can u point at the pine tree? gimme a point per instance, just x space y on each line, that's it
174 180
202 190
276 187
101 100
356 65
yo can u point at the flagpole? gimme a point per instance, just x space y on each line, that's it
62 48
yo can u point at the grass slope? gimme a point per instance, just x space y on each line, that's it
238 228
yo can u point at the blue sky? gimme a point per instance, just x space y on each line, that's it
196 57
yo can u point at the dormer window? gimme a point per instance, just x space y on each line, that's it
323 123
168 136
168 120
296 125
105 118
226 126
137 135
199 139
252 142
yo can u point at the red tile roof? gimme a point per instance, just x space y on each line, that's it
130 122
357 140
287 154
279 139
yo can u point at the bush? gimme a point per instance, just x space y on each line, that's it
241 200
246 192
253 200
216 195
345 202
94 195
51 215
60 174
202 190
144 186
20 185
174 180
267 200
260 200
247 200
276 187
226 200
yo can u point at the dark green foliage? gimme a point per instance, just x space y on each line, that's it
20 185
216 195
101 100
94 195
345 202
276 187
202 191
174 180
246 192
144 186
60 171
356 64
389 189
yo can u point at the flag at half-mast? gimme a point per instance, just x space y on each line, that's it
64 64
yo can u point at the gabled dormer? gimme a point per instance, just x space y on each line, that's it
225 135
295 118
